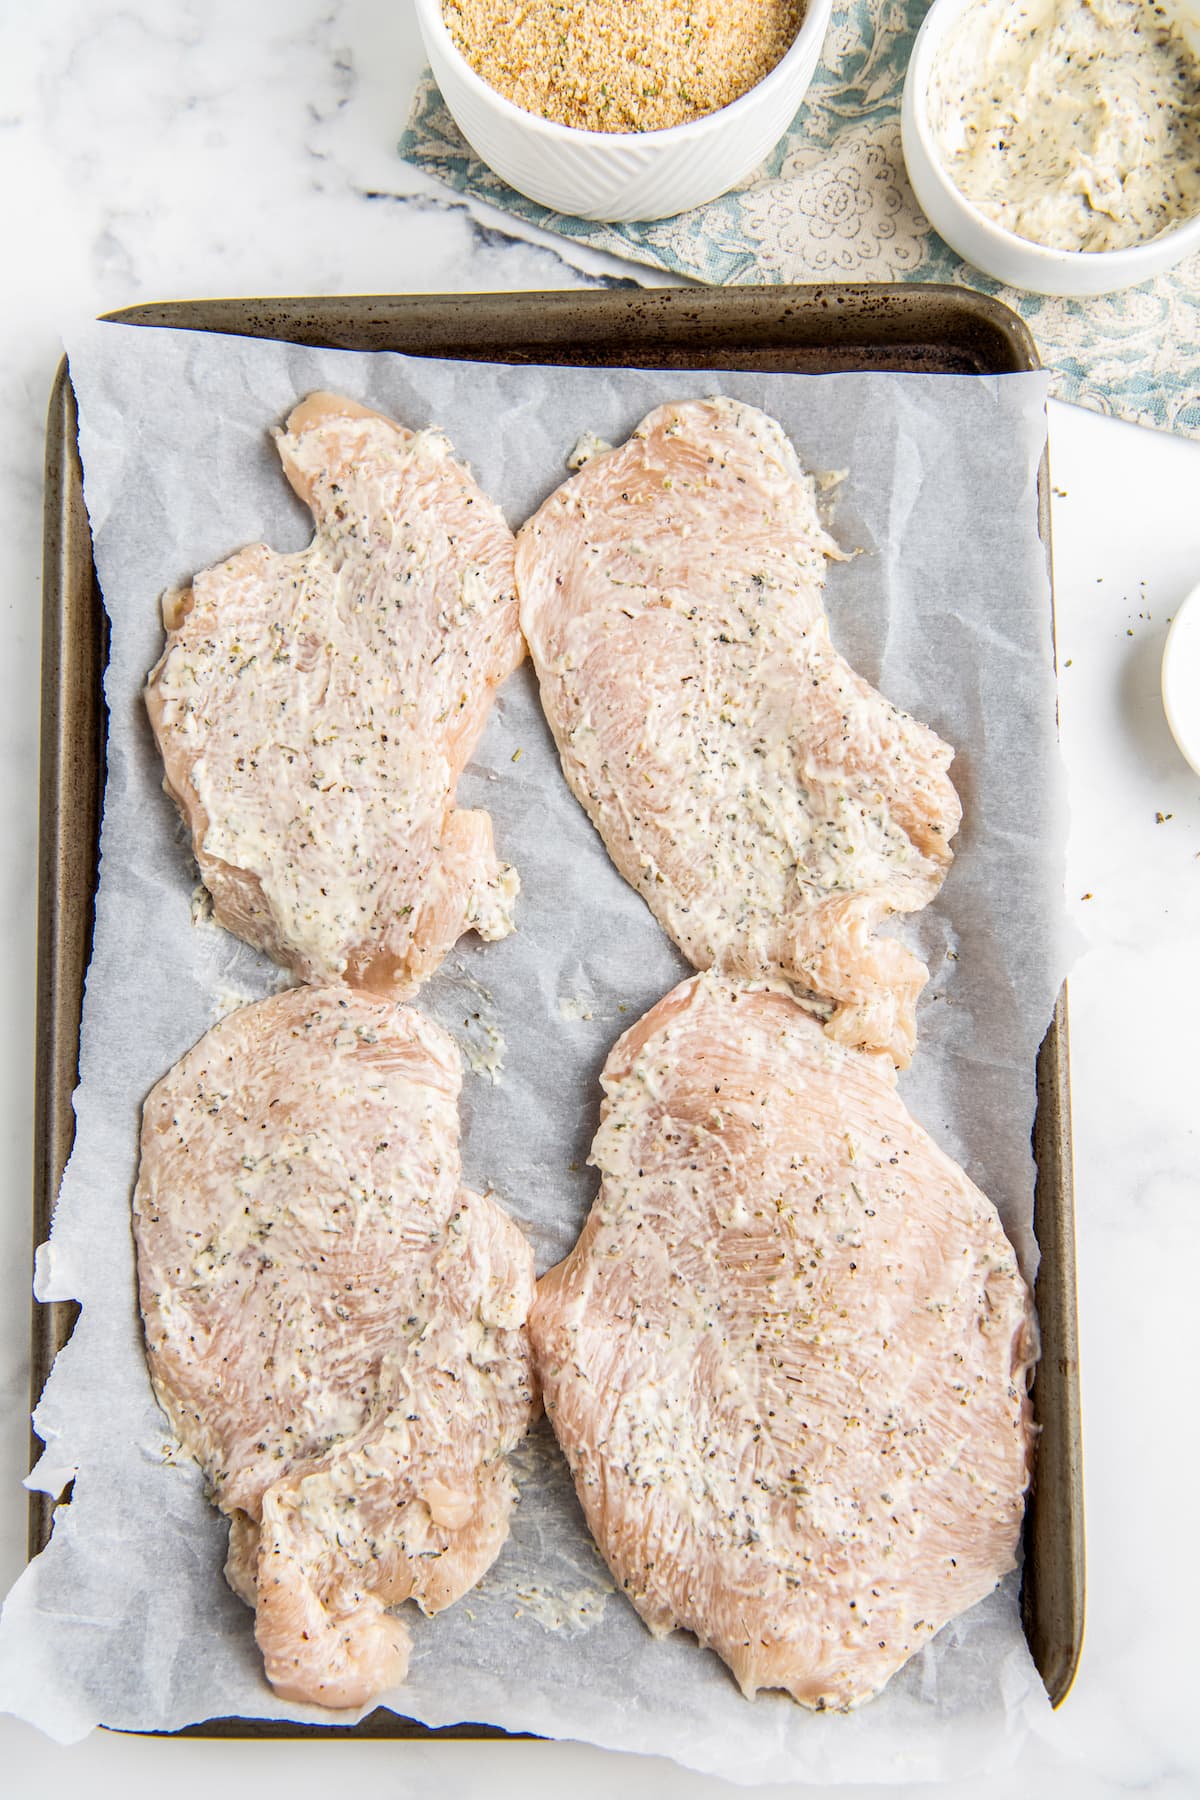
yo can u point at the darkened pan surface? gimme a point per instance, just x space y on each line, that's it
808 330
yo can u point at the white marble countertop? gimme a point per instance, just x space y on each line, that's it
157 151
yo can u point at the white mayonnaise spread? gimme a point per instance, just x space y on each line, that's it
1073 123
571 1006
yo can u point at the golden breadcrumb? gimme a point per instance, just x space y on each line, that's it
622 65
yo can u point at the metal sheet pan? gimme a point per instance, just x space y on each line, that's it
812 330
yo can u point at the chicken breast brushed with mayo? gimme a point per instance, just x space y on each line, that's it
787 1360
315 711
335 1325
767 803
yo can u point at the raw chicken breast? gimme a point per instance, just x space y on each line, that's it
787 1359
314 712
767 803
335 1326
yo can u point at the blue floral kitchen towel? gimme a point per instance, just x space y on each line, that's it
833 203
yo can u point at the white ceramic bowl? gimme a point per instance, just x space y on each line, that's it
999 253
1181 678
618 175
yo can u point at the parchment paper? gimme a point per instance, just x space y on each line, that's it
125 1619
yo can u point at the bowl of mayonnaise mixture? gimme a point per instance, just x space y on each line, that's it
1055 144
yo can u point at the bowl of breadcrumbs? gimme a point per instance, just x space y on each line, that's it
623 109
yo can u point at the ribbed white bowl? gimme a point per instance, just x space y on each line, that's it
617 175
989 247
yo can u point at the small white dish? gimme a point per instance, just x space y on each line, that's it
1017 261
1181 678
623 175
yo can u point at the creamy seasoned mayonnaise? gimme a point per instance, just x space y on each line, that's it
1074 123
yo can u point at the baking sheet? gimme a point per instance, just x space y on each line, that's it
940 502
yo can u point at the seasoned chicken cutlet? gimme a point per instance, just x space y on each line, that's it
335 1325
315 711
768 804
787 1359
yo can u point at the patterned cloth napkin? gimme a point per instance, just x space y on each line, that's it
833 203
